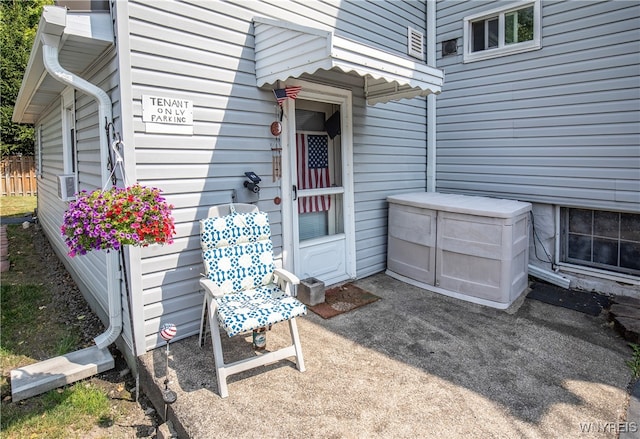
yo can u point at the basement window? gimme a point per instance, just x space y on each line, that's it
504 31
601 239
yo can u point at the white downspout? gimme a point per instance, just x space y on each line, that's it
431 98
50 44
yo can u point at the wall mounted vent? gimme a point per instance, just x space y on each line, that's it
415 43
449 47
67 187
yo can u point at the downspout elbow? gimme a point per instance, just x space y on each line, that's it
50 45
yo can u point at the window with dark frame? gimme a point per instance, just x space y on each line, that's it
601 239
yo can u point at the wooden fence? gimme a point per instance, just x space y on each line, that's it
18 174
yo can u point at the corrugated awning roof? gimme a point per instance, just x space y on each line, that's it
287 50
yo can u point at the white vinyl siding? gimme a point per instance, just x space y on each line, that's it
559 125
203 52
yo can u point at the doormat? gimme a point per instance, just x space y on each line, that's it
587 303
341 299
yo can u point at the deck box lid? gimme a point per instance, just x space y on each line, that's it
466 204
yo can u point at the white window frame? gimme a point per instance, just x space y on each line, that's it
503 49
38 152
69 142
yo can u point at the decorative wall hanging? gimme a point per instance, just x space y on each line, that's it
276 146
276 128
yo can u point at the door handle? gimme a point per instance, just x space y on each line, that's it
295 192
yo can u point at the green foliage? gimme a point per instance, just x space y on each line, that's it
634 363
18 26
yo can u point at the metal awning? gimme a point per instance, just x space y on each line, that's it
287 50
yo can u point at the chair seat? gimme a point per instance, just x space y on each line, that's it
256 308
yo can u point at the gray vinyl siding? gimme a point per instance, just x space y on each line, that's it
389 158
203 51
88 271
559 125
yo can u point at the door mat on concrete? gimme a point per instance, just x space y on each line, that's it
341 299
587 303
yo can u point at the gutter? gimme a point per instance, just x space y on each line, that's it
430 22
53 23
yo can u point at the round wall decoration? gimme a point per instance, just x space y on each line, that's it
276 128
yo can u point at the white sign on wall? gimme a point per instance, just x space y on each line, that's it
163 114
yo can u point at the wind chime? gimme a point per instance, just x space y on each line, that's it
281 94
276 146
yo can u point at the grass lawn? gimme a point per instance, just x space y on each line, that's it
32 331
17 206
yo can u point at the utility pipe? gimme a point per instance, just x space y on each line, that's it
431 98
50 46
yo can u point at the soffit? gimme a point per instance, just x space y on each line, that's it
83 39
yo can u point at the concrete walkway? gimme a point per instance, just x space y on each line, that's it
414 364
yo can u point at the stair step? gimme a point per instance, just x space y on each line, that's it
618 310
41 377
628 327
627 301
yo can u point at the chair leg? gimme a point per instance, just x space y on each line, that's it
203 328
295 339
216 342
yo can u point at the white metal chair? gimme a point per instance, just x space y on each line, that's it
243 290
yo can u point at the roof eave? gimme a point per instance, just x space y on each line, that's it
94 28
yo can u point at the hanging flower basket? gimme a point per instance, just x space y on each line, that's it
106 220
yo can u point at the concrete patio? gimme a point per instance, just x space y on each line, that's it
414 363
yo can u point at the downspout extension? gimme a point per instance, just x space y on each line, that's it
430 21
50 44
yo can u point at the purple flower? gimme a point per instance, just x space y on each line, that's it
134 215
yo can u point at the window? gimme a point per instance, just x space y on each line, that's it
601 239
69 146
318 215
504 31
38 152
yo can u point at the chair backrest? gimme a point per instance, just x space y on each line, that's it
237 250
226 209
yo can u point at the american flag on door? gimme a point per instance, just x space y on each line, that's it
312 153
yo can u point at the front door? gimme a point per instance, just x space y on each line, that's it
320 155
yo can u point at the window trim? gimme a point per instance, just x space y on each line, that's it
69 135
38 152
502 49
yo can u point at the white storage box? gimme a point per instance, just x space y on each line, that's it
473 248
